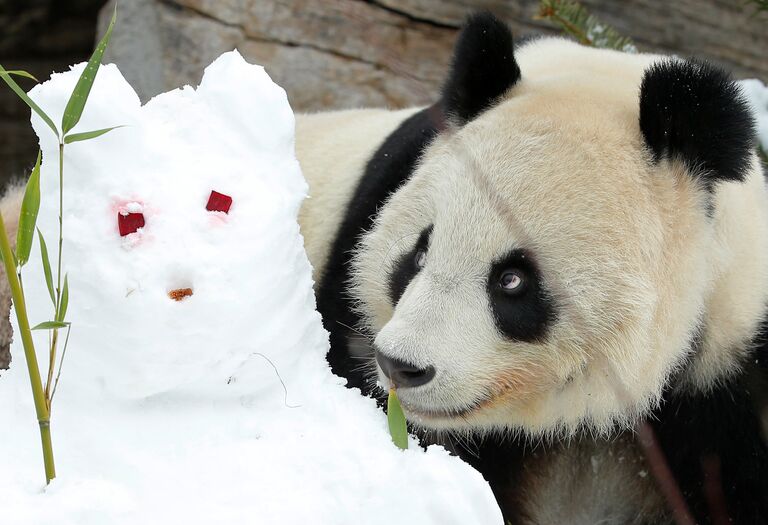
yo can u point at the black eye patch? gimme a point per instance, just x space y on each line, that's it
406 267
525 313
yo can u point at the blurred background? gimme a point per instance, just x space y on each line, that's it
328 53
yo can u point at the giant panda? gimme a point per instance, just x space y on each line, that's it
562 266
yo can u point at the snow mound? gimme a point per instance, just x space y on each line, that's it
757 95
217 407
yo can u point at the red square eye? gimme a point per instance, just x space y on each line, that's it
129 222
219 202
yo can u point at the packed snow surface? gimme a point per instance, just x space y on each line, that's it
757 95
173 411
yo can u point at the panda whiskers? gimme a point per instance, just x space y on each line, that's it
387 255
360 346
468 441
456 441
367 366
356 330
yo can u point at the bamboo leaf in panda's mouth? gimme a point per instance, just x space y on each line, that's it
398 428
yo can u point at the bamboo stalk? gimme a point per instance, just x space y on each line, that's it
55 336
41 408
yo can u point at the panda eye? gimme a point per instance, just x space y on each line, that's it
408 266
420 259
512 281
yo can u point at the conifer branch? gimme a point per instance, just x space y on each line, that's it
575 20
761 5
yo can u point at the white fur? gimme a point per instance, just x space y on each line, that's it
333 149
10 207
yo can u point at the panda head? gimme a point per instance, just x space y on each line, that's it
588 225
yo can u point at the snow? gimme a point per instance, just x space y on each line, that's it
175 411
132 207
757 95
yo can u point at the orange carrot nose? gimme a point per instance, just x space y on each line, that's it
180 293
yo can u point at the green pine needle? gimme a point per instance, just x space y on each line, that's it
587 29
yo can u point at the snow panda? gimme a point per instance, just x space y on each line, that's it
562 265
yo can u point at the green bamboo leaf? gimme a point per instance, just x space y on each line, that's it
28 216
64 300
79 95
50 325
46 266
23 96
398 428
25 74
75 137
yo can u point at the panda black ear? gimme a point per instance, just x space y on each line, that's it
483 68
693 111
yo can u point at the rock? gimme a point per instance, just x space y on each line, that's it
338 55
6 332
394 53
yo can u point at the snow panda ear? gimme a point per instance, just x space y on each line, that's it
483 68
693 111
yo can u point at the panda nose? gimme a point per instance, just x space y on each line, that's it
404 374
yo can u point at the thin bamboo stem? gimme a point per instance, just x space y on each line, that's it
61 223
19 305
55 336
51 366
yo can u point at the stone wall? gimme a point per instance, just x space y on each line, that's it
351 53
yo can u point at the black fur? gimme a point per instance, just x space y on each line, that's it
406 268
482 70
524 316
715 447
388 169
501 462
693 111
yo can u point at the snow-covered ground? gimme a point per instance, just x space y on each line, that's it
757 94
172 412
